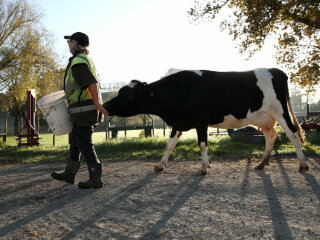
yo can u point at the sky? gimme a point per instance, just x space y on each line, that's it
143 39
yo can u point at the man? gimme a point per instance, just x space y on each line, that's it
82 89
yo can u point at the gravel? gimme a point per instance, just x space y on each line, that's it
233 201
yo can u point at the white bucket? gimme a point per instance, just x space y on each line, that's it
54 108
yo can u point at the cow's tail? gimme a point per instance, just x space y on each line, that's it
301 134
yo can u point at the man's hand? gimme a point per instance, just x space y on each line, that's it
102 109
95 98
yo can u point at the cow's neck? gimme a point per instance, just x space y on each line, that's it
154 109
158 105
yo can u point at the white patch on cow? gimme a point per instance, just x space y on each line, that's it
197 72
293 137
204 155
132 84
272 106
260 119
170 146
270 102
230 122
264 117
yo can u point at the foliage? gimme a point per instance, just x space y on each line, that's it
295 24
26 57
296 100
113 86
14 17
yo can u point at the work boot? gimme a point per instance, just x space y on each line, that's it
69 173
95 180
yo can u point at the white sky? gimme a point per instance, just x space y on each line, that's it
142 39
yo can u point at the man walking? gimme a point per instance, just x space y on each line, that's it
82 89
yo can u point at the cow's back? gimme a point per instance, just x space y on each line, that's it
218 94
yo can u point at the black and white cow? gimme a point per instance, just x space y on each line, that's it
202 99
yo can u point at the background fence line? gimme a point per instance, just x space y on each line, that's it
139 120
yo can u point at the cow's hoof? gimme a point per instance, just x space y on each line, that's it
158 169
259 167
303 168
202 172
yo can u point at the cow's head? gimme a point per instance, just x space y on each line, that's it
130 100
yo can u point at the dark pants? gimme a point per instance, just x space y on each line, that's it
80 140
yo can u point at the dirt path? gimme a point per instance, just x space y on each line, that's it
232 202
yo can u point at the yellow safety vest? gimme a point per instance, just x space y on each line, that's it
73 92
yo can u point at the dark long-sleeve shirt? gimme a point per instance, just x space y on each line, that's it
83 75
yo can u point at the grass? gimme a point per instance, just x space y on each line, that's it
133 147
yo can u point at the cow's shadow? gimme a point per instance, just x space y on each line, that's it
279 222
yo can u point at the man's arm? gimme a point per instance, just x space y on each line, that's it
93 89
85 79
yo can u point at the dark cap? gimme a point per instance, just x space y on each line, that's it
81 38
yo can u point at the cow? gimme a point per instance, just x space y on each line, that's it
200 99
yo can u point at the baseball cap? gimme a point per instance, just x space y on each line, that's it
80 37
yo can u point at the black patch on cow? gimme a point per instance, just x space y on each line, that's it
232 93
280 85
186 100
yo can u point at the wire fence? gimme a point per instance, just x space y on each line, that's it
7 123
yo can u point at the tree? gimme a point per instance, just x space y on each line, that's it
296 100
294 23
34 68
113 86
14 17
26 57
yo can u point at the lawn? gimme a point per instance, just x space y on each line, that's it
133 147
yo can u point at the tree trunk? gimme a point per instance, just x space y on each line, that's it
16 125
6 125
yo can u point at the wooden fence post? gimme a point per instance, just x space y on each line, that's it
38 125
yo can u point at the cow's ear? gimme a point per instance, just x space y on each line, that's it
134 83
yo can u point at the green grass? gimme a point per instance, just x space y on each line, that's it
133 147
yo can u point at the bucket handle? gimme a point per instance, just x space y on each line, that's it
49 111
48 115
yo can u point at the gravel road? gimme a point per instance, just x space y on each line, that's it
233 201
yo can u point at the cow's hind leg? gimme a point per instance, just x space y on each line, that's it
270 138
170 146
203 141
293 137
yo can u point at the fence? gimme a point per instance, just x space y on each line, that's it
313 110
42 126
7 121
6 124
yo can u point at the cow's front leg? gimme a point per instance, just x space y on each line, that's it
174 136
202 141
204 156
